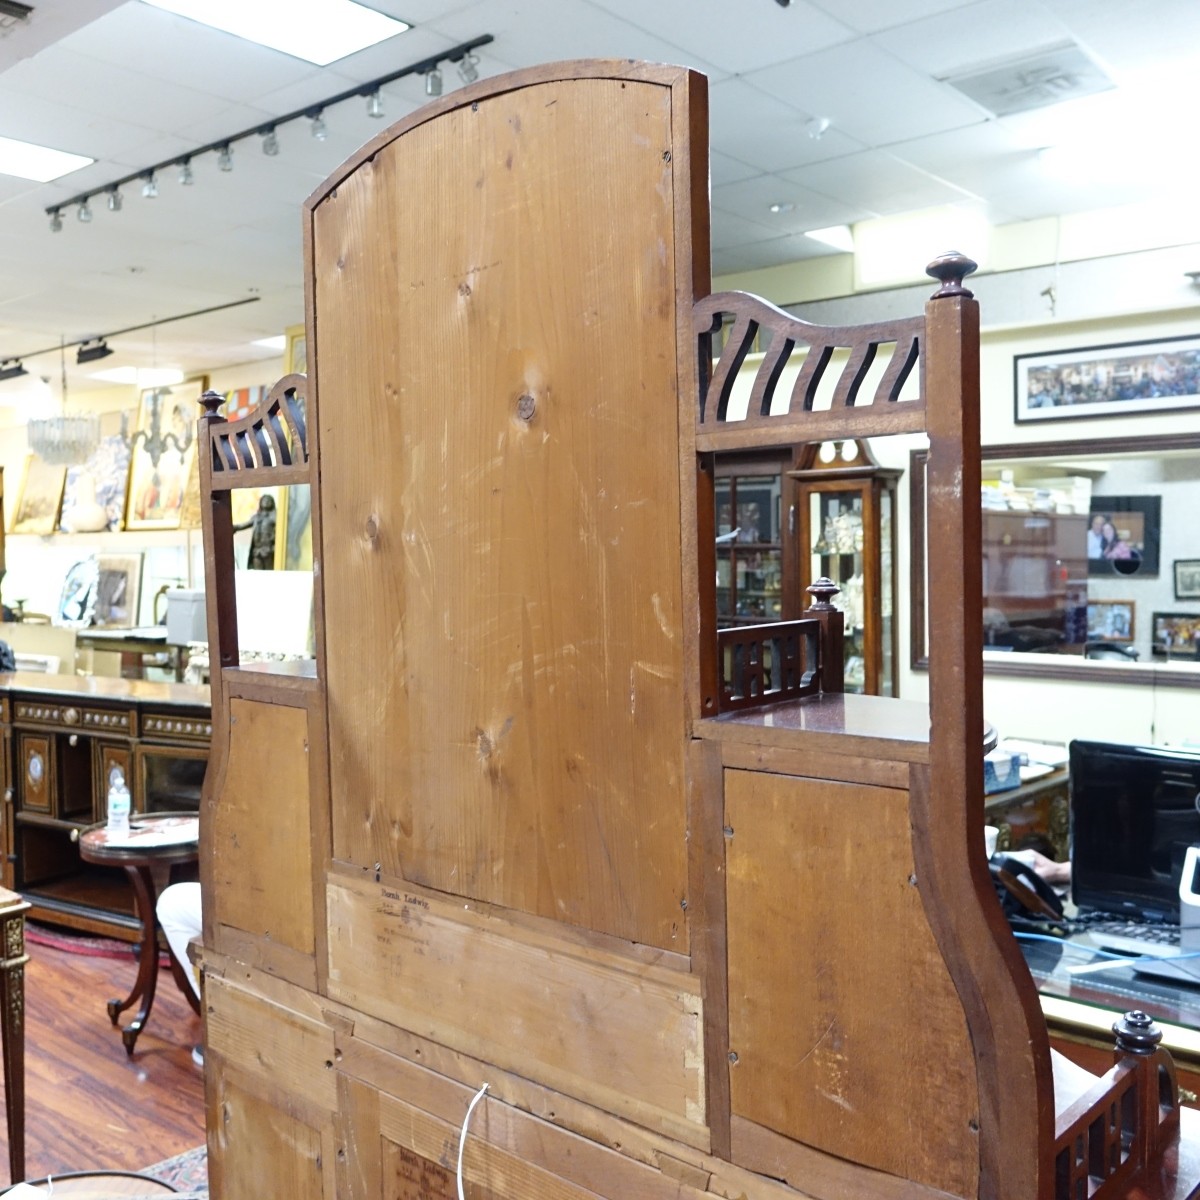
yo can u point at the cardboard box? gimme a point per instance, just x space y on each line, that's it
187 620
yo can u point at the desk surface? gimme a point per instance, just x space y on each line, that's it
1091 1002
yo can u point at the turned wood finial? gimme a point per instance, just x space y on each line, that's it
951 268
1137 1033
822 592
210 402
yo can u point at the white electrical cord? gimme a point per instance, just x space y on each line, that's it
462 1137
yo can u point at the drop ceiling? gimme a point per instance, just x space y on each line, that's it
131 85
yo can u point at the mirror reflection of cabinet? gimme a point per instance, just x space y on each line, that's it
845 504
755 578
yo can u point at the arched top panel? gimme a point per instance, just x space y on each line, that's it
501 293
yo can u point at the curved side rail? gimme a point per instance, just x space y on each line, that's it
266 448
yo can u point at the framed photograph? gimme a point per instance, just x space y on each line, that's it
1187 579
164 449
1108 381
1175 635
1123 535
118 591
1110 620
40 499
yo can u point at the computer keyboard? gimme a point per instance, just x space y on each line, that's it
1151 933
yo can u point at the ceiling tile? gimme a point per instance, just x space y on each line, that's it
899 103
756 35
868 16
767 133
986 32
809 209
879 181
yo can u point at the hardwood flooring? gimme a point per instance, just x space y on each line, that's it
89 1106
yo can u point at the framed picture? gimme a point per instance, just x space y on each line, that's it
1110 620
294 509
1187 579
164 449
108 468
1123 535
40 499
1175 635
118 590
1108 381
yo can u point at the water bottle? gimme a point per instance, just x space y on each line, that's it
118 802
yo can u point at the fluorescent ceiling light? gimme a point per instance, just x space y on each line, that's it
837 236
278 342
143 376
39 163
319 31
894 250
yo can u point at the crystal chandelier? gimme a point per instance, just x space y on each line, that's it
63 441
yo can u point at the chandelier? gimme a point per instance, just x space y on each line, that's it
63 441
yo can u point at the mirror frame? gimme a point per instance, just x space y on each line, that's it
1070 667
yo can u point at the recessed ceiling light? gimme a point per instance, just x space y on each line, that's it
837 236
143 376
278 342
39 163
782 206
323 32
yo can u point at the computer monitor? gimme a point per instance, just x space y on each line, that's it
1133 815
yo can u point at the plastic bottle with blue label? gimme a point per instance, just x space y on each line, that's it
118 802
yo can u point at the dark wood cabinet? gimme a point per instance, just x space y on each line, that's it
65 736
845 506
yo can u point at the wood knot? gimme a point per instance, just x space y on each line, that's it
526 407
372 527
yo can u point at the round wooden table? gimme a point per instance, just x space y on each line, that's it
154 842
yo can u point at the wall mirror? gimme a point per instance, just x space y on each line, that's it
1091 550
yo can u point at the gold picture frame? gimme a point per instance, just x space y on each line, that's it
39 501
293 538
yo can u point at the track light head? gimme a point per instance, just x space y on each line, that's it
270 142
186 176
319 129
433 82
468 68
375 104
115 199
92 350
150 187
11 368
84 212
56 222
225 158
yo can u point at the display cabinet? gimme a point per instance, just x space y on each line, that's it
755 576
845 508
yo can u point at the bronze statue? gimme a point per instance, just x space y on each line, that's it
262 540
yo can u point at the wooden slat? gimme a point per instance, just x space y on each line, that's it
838 1033
907 416
846 768
487 989
518 563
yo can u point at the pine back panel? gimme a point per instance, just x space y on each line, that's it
496 333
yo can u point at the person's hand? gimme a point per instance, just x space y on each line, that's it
1052 872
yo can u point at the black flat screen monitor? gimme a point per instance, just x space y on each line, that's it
1133 816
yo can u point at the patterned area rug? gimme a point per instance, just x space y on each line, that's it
81 943
187 1173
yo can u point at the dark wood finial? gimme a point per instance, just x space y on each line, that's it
951 268
822 592
1137 1033
210 402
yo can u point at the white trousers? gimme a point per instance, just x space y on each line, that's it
179 915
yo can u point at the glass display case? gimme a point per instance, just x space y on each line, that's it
751 576
845 504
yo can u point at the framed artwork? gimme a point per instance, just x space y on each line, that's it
1108 381
78 596
118 590
1175 635
164 451
241 402
1110 620
40 499
1123 535
108 467
1187 579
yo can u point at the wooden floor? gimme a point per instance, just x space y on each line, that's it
89 1106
